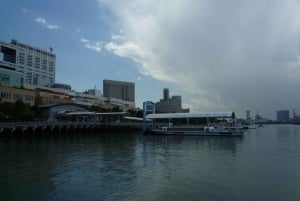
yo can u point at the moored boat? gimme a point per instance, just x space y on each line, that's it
217 124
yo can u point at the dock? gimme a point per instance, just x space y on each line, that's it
59 127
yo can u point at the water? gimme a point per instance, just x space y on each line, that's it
262 165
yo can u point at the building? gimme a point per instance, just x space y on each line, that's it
11 95
168 105
166 94
88 100
51 97
283 115
36 65
10 78
248 115
120 90
62 86
95 92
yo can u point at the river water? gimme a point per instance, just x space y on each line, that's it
262 165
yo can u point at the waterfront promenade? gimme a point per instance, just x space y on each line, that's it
34 127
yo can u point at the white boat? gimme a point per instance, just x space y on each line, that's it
217 124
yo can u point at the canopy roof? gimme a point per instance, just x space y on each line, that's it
83 113
191 115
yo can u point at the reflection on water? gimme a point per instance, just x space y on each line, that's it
132 166
283 130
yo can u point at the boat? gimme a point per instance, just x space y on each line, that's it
216 124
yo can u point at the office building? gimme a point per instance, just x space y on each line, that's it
166 94
119 89
283 115
168 105
36 65
248 115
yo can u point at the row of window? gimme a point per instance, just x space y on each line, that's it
37 61
4 78
38 52
16 96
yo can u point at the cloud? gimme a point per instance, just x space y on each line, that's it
43 22
96 46
233 54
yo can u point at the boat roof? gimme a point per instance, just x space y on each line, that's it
191 115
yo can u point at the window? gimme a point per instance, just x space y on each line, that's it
29 60
5 95
18 96
4 78
37 62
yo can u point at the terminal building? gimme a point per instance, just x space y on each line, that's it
36 66
169 105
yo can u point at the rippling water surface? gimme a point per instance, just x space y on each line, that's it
262 165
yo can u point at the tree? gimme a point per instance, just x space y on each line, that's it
116 109
7 108
16 111
2 116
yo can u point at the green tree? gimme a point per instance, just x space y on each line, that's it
16 111
116 109
23 111
2 116
132 112
7 109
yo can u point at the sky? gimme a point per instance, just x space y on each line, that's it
232 55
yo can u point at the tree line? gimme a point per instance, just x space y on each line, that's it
17 111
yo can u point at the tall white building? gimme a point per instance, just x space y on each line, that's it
36 65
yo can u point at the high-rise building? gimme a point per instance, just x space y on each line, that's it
248 116
36 65
119 89
166 94
283 115
168 105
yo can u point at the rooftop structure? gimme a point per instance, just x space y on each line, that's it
191 115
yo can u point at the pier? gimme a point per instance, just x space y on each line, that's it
60 127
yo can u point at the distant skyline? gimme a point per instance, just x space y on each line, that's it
218 55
